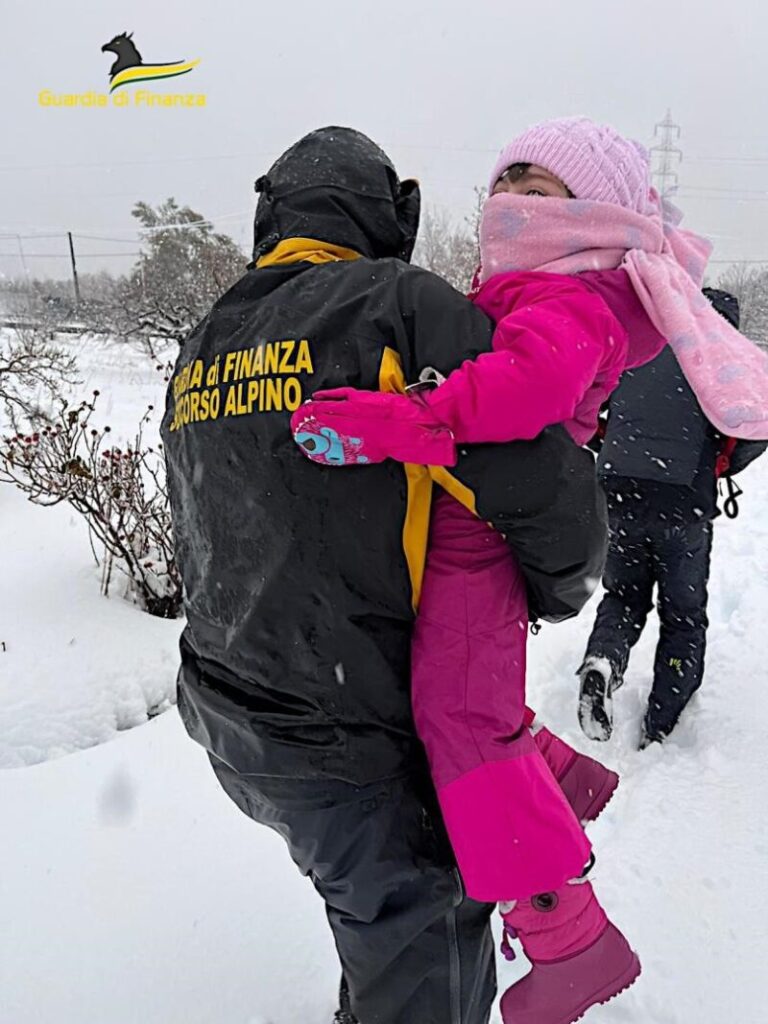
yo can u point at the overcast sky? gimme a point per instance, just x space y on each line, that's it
441 85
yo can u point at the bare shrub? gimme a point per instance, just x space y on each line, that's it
120 492
33 371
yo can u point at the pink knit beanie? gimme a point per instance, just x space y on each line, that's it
592 160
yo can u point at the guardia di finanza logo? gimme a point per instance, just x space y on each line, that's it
130 69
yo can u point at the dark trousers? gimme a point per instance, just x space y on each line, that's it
413 949
650 544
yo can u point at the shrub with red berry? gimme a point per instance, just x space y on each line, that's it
120 491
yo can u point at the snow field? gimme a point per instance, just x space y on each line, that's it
132 890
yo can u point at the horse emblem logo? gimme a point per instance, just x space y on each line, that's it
129 68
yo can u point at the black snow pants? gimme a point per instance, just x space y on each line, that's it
655 542
413 948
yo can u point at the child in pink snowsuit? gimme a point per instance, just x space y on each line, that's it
558 352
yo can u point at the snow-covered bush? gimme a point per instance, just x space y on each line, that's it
32 370
121 493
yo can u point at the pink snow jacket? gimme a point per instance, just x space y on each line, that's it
558 354
560 349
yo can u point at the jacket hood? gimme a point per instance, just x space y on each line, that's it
336 185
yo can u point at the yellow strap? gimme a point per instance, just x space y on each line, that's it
418 483
310 250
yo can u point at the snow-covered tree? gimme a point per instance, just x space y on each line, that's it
750 286
448 249
184 267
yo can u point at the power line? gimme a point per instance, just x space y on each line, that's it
738 260
730 191
131 163
101 238
197 158
65 255
727 159
190 225
722 199
15 234
96 255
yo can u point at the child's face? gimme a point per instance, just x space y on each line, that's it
530 180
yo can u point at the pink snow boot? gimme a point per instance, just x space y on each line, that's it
579 958
586 784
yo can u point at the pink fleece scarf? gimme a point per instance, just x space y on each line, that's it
665 263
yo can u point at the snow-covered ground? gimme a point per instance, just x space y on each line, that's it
76 668
132 890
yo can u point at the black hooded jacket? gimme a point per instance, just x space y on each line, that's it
300 580
658 438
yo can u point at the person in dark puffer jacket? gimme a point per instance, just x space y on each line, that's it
659 463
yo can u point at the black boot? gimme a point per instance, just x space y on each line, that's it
344 1015
598 681
650 734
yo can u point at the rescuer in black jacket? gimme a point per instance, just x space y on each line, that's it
301 584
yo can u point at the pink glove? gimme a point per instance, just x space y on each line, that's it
346 427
